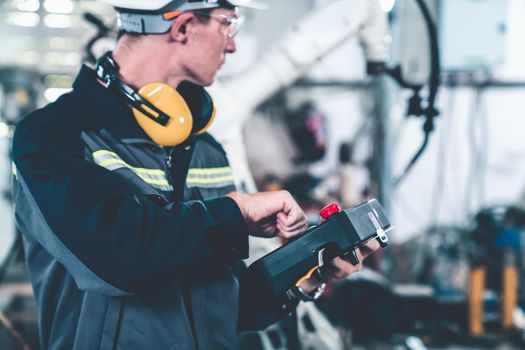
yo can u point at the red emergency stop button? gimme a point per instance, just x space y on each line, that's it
329 210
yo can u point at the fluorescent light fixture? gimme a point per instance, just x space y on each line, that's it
27 5
23 19
64 81
59 6
387 5
52 94
63 58
28 57
59 43
20 42
71 59
57 21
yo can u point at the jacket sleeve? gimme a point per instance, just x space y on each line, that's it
109 239
257 309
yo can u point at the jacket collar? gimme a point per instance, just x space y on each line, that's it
107 107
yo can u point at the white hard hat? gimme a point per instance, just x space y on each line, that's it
157 5
147 16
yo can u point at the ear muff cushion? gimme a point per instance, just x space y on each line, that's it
200 105
168 100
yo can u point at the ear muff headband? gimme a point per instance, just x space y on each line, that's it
168 116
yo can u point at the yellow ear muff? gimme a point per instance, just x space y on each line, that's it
207 126
168 100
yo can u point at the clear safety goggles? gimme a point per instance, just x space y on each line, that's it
231 24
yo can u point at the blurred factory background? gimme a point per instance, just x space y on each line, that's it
417 103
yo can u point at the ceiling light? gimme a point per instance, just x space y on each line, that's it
57 21
62 58
27 5
23 19
59 6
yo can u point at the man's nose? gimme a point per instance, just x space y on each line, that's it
231 46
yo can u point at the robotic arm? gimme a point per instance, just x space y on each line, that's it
315 36
308 41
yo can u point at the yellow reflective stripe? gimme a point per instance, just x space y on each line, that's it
141 172
104 152
209 177
116 159
209 171
113 161
213 180
154 182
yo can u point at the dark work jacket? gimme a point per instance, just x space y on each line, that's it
129 245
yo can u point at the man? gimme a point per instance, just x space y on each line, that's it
134 240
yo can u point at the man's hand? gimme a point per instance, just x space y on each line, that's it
270 214
340 268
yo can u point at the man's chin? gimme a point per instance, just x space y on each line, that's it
204 81
208 82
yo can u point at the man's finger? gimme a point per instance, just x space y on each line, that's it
299 223
370 247
269 230
292 217
297 227
287 233
339 268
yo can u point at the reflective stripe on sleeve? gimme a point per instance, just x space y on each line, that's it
111 161
209 177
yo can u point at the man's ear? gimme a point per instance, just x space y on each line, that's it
179 28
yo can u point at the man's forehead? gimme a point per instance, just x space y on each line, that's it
227 11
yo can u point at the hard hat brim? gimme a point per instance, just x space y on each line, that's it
134 16
248 4
159 5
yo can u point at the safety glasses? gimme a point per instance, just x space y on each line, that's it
231 24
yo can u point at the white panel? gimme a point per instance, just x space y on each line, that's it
472 33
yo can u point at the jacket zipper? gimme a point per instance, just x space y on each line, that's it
168 158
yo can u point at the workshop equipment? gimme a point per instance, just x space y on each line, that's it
475 300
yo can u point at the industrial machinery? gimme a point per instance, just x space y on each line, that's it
299 49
